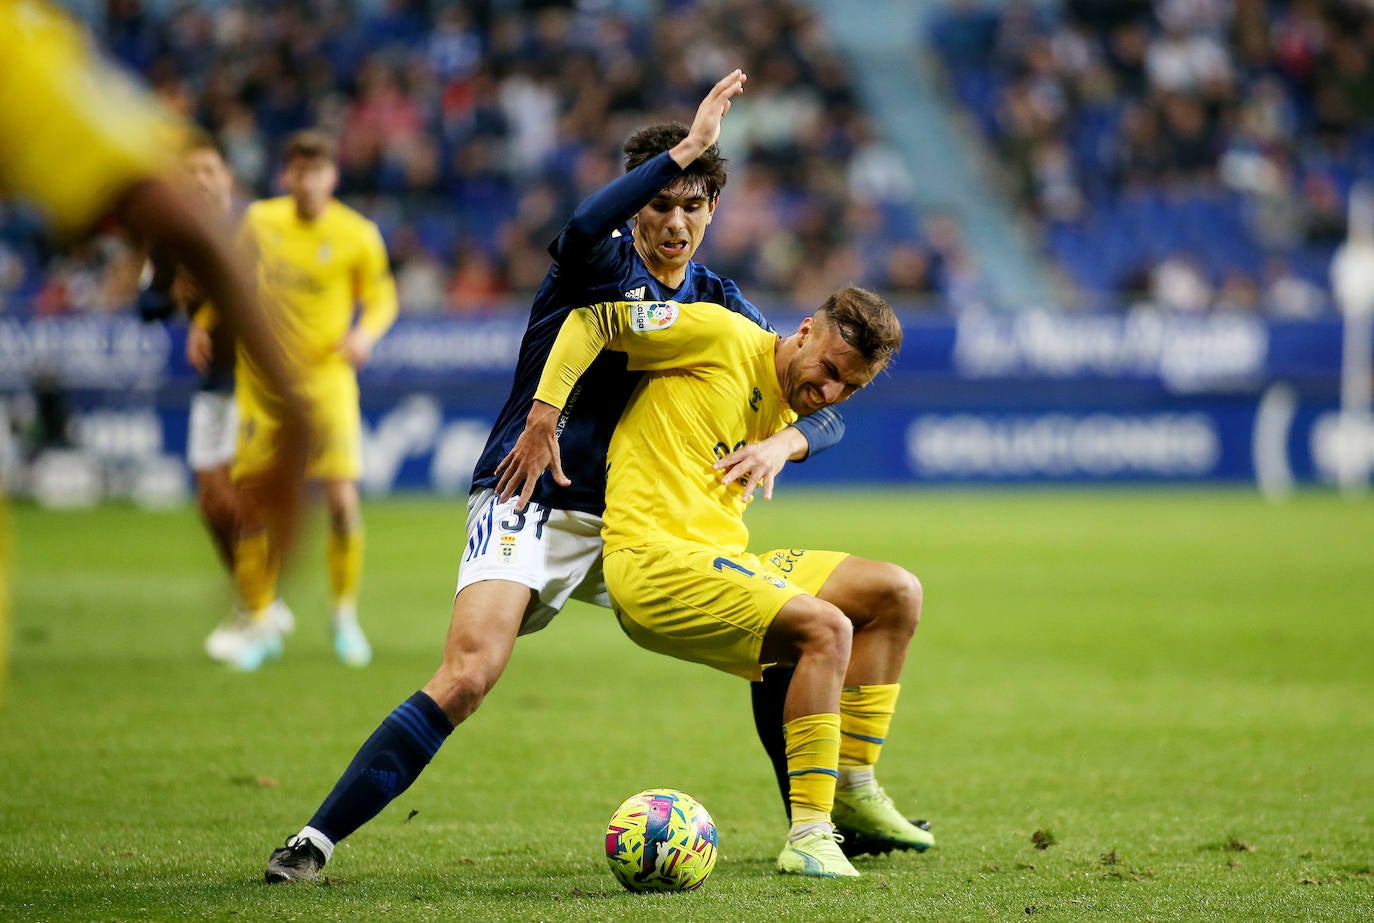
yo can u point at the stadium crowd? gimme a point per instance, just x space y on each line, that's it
468 131
1195 152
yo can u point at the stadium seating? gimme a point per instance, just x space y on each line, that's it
1138 131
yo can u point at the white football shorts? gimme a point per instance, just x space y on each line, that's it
212 431
556 553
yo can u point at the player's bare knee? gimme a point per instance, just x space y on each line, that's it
459 690
900 601
829 634
908 595
341 498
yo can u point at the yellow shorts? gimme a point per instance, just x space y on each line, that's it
336 423
694 603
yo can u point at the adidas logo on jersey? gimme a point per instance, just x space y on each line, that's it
635 294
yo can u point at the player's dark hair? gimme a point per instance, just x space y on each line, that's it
310 144
866 322
706 173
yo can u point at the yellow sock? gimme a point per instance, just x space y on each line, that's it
813 743
255 572
345 554
865 716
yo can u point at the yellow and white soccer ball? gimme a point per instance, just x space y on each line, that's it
661 840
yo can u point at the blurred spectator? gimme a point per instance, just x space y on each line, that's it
11 274
1135 157
454 46
1238 292
1177 283
99 276
907 275
477 285
1323 209
1287 294
382 124
1181 60
420 276
958 276
1188 142
244 149
876 172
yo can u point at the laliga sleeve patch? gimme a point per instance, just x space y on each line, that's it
649 316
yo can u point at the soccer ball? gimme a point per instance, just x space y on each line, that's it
661 840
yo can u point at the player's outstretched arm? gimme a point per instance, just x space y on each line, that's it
613 204
705 130
585 332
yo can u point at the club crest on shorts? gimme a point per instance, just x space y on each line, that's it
508 549
648 316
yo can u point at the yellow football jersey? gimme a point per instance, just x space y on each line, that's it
75 132
712 387
313 275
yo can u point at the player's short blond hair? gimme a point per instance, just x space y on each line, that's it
866 322
309 144
196 139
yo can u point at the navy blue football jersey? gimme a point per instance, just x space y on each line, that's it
594 260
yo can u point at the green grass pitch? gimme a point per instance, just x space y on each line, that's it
1129 705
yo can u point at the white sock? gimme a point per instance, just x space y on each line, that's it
282 616
852 777
346 614
800 830
318 840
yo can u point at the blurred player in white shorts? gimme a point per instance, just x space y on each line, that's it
211 433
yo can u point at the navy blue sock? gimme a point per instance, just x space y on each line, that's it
768 697
387 763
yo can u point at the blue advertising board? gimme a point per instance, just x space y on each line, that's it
1036 397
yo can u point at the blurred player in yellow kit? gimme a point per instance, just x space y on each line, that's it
212 427
318 263
80 142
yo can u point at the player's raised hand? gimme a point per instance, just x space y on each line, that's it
534 452
757 464
705 130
